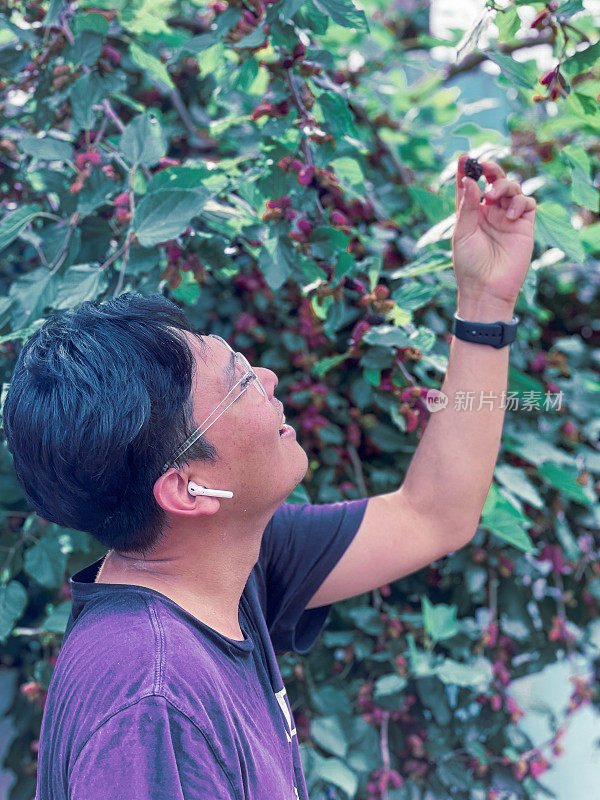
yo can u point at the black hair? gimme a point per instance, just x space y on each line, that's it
99 400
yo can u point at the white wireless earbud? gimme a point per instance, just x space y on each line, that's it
196 490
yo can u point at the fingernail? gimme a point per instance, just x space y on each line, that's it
464 181
512 213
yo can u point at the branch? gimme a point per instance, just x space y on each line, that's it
358 471
110 112
303 113
192 25
474 59
187 119
123 268
385 750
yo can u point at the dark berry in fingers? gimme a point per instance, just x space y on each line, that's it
473 169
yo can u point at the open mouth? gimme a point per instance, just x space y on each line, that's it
285 430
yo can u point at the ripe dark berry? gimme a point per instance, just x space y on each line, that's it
473 169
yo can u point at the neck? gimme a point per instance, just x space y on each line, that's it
203 565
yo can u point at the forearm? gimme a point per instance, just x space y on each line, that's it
451 471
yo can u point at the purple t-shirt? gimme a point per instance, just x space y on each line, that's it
146 702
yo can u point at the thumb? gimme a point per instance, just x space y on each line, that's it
468 211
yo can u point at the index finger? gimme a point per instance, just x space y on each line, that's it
491 172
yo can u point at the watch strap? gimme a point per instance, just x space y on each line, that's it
497 334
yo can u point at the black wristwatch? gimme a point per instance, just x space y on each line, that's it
496 334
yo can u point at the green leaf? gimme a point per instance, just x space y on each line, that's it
505 522
84 49
523 74
13 223
96 191
142 141
413 295
188 290
45 147
13 599
90 22
276 261
335 771
367 619
219 27
309 16
86 92
349 170
553 227
568 8
454 775
329 734
32 293
423 339
336 115
517 482
81 282
386 335
585 108
152 65
583 191
440 620
56 621
389 685
581 61
508 23
325 364
477 674
45 562
577 158
166 213
565 480
299 495
344 12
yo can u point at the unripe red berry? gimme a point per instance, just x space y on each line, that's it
112 54
305 226
121 200
296 164
306 175
299 51
123 215
165 161
338 219
539 19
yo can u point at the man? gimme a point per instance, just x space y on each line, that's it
171 450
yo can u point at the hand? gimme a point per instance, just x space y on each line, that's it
491 252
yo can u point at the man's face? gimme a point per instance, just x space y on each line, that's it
254 461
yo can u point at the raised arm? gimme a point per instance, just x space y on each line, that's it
437 508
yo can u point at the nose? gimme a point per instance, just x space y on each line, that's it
268 379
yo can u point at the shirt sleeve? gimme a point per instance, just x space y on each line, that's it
149 751
301 545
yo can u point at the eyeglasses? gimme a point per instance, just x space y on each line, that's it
249 378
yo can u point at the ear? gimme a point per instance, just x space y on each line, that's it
171 494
